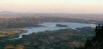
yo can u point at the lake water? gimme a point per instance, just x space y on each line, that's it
49 26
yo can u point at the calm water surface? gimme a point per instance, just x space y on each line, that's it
49 26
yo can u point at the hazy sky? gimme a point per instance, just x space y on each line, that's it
52 6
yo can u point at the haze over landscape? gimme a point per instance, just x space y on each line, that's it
52 6
88 9
51 24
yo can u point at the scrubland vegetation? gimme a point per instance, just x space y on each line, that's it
58 39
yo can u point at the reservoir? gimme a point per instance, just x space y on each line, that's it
50 26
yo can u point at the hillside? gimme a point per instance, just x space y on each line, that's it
97 41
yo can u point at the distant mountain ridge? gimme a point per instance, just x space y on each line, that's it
77 16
